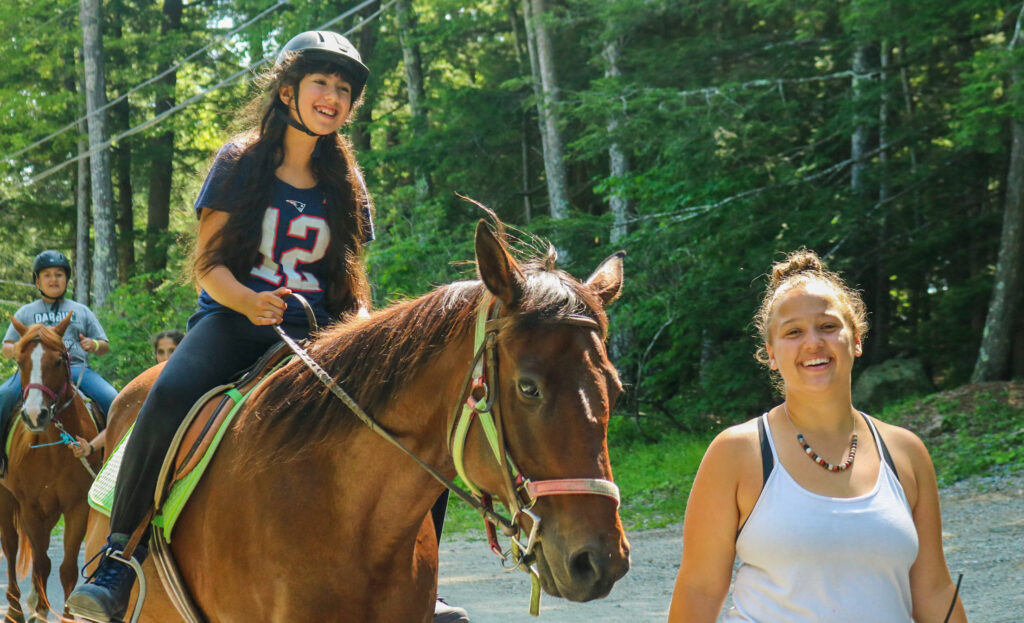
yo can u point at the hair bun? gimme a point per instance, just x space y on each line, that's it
802 260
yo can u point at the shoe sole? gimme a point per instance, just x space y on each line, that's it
90 611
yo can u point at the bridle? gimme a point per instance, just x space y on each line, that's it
65 437
521 492
45 389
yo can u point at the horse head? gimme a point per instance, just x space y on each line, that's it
45 372
553 389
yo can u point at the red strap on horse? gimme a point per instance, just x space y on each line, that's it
54 396
492 532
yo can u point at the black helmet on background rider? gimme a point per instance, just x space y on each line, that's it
50 259
330 47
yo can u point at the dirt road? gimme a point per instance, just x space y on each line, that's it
983 525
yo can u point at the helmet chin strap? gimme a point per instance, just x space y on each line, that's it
301 127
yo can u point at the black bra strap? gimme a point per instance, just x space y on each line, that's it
881 442
767 461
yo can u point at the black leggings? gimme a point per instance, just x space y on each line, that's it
213 351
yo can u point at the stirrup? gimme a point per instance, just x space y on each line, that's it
139 575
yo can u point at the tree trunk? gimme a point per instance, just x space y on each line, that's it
414 85
82 224
524 120
997 337
618 163
860 140
993 361
81 195
880 314
161 170
125 214
542 51
367 47
105 251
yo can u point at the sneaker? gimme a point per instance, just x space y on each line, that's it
104 597
443 613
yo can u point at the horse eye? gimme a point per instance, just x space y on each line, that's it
528 388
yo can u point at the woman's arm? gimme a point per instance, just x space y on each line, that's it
709 532
261 308
931 588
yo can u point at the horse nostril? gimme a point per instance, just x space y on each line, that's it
584 567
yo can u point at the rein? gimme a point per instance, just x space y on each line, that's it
65 438
522 493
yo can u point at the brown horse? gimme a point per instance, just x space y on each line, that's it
305 514
47 481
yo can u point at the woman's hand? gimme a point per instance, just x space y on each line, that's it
88 344
81 448
266 308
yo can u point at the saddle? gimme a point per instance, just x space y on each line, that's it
193 445
197 431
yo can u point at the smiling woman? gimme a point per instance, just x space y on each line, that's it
817 520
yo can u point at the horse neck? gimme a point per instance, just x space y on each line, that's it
398 491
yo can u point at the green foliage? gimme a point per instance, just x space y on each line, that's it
981 429
134 313
735 119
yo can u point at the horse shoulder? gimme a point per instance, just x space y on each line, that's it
125 407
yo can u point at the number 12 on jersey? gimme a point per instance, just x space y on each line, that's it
285 270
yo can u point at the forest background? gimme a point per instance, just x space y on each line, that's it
703 137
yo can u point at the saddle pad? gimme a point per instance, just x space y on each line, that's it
101 494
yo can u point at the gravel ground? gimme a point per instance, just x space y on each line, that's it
983 530
983 526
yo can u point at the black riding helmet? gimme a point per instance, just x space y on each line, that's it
50 259
324 45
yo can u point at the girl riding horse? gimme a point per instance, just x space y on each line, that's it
51 271
284 209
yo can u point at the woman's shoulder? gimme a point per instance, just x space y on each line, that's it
901 440
910 456
737 442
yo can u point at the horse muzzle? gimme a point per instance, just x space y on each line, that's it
585 573
37 418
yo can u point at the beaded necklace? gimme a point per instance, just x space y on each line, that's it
814 456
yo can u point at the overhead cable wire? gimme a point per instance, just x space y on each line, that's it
146 83
198 96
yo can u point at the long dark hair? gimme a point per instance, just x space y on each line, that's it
252 164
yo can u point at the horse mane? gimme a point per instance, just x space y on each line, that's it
46 335
371 357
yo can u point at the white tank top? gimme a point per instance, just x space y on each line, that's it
806 557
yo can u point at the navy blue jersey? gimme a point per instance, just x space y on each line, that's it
294 241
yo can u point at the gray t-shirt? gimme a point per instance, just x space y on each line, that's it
83 322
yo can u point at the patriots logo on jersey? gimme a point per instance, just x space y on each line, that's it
298 205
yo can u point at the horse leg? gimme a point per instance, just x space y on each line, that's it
9 541
75 522
38 528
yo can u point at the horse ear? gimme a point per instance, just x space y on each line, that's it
20 328
498 270
63 326
606 280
